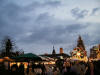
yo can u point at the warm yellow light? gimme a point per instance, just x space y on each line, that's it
18 64
1 60
78 54
36 63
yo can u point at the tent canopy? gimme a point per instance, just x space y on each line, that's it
27 57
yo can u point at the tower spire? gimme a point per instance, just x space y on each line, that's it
80 43
53 47
53 52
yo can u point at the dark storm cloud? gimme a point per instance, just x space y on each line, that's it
35 24
53 3
44 4
14 17
47 30
78 13
92 34
8 15
95 10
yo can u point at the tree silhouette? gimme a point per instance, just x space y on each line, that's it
8 48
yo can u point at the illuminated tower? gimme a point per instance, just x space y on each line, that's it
79 51
95 52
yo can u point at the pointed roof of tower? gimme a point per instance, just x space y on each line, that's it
53 52
80 43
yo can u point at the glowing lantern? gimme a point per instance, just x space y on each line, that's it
78 54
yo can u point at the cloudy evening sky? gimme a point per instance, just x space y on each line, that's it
37 25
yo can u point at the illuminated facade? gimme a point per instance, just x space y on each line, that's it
95 52
79 52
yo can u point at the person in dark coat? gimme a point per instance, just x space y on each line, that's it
21 69
14 69
97 67
33 66
27 69
2 69
43 69
88 70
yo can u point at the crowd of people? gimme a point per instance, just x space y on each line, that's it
13 70
78 67
21 70
60 68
